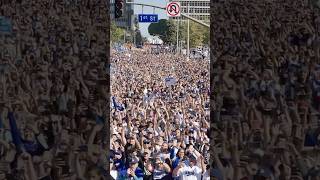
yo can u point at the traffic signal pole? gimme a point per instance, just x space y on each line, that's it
164 8
188 41
118 8
177 49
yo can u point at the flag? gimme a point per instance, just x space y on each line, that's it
15 133
169 81
117 106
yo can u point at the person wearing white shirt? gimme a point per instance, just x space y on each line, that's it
206 175
186 171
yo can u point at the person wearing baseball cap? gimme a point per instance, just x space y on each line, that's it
133 172
188 171
162 170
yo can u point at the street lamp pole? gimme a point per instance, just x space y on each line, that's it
164 8
134 36
188 41
177 49
124 35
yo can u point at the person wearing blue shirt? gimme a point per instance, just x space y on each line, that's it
31 142
178 158
131 173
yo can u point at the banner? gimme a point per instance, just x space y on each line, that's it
117 106
170 81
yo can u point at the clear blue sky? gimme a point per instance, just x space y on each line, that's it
149 10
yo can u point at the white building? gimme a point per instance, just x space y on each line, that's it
199 9
127 19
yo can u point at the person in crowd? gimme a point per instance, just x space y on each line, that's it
265 97
161 170
159 114
188 170
52 105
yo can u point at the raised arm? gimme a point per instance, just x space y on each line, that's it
123 136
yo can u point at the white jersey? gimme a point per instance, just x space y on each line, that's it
206 175
189 173
114 174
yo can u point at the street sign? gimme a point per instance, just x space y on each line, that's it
173 9
148 18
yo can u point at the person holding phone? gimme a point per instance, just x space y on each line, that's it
162 170
179 157
147 165
133 172
188 171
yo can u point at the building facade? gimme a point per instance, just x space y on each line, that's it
127 19
199 9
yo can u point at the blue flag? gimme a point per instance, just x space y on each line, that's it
169 81
16 136
117 106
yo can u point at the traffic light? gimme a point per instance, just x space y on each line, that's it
118 8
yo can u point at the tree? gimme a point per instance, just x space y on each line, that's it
199 35
139 40
165 29
117 33
206 36
137 32
183 33
171 37
196 35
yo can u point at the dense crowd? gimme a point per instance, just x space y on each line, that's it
52 104
159 117
266 97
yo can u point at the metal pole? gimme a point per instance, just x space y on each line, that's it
164 8
177 50
134 37
188 43
124 36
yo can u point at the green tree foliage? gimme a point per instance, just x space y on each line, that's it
171 33
137 33
165 29
117 34
139 40
206 36
199 35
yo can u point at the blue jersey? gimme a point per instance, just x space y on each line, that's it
124 176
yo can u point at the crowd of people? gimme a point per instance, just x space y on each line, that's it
265 73
52 90
159 117
266 96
